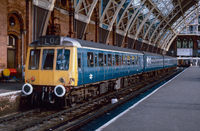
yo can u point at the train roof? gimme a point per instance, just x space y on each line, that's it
51 40
89 44
151 54
166 56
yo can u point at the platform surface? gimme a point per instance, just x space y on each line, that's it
175 106
6 87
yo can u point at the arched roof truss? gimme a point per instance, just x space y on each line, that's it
183 22
154 22
84 10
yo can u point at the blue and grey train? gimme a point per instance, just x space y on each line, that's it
66 70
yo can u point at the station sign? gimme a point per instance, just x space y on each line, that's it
49 40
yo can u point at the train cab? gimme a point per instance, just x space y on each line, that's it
50 66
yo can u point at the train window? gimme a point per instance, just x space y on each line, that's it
136 60
95 59
47 59
101 59
62 62
34 59
113 60
105 60
128 60
79 60
117 60
133 60
90 60
109 60
120 60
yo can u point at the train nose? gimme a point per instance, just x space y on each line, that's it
27 89
59 90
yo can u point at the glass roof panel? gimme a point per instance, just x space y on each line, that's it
170 6
165 6
145 10
136 3
160 5
165 12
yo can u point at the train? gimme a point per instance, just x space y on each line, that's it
63 71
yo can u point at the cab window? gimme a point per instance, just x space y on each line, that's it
34 59
47 59
62 62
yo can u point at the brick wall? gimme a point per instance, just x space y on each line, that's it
3 35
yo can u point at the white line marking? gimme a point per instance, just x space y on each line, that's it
115 118
10 93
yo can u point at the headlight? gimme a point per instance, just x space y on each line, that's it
27 89
59 90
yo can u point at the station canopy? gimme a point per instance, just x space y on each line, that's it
154 22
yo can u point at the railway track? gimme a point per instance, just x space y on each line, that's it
75 117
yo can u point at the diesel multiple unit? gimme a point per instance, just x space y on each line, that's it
64 70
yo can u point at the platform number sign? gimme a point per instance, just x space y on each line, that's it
49 40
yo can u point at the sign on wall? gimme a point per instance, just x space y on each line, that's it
184 52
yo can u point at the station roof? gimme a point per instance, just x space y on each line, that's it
155 22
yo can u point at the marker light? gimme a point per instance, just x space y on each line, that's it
32 78
62 80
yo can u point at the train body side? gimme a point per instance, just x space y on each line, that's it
170 61
152 61
105 66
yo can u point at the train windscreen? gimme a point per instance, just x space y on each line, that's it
62 62
34 59
47 59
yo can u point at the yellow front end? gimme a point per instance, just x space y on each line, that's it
52 66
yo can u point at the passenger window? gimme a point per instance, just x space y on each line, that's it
109 60
101 63
124 60
120 61
113 60
79 60
136 60
105 60
117 60
47 59
95 59
90 60
133 60
128 60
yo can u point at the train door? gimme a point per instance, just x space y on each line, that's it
110 67
105 67
95 67
89 67
140 60
125 68
117 66
129 64
113 66
80 69
101 66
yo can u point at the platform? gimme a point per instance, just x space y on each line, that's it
10 88
174 106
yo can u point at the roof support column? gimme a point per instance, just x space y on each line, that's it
41 14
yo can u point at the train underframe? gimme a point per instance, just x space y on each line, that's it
89 91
